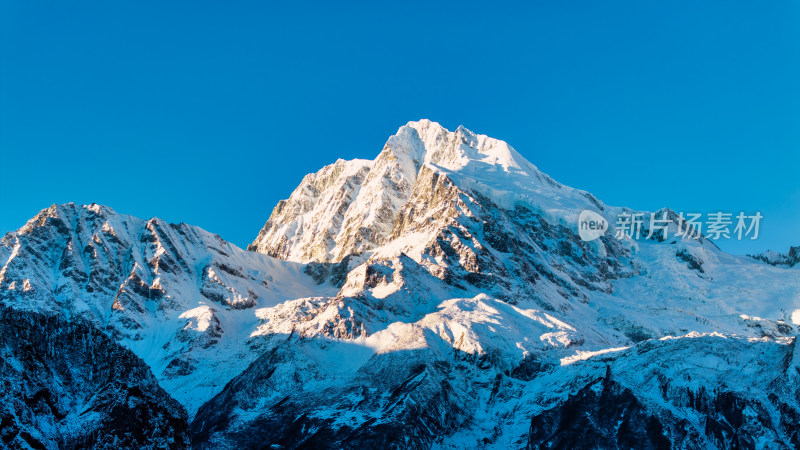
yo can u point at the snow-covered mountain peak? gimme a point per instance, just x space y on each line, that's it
67 213
447 300
431 143
353 207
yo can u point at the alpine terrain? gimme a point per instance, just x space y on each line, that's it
438 296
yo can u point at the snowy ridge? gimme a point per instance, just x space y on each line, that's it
790 258
181 298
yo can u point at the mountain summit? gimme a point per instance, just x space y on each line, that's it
436 296
352 207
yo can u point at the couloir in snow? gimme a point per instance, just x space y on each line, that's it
438 296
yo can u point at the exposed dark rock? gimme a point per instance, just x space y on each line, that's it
67 385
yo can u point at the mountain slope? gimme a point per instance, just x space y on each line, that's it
181 298
67 385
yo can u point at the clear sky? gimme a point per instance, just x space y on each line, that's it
210 112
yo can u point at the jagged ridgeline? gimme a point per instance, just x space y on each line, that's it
437 296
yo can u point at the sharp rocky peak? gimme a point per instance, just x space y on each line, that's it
430 143
353 207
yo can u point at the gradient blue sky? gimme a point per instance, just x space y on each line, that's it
210 112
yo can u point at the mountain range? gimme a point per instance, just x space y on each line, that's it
438 296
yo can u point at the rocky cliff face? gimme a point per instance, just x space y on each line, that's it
67 385
790 258
729 394
437 296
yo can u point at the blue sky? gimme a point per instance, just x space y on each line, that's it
208 113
